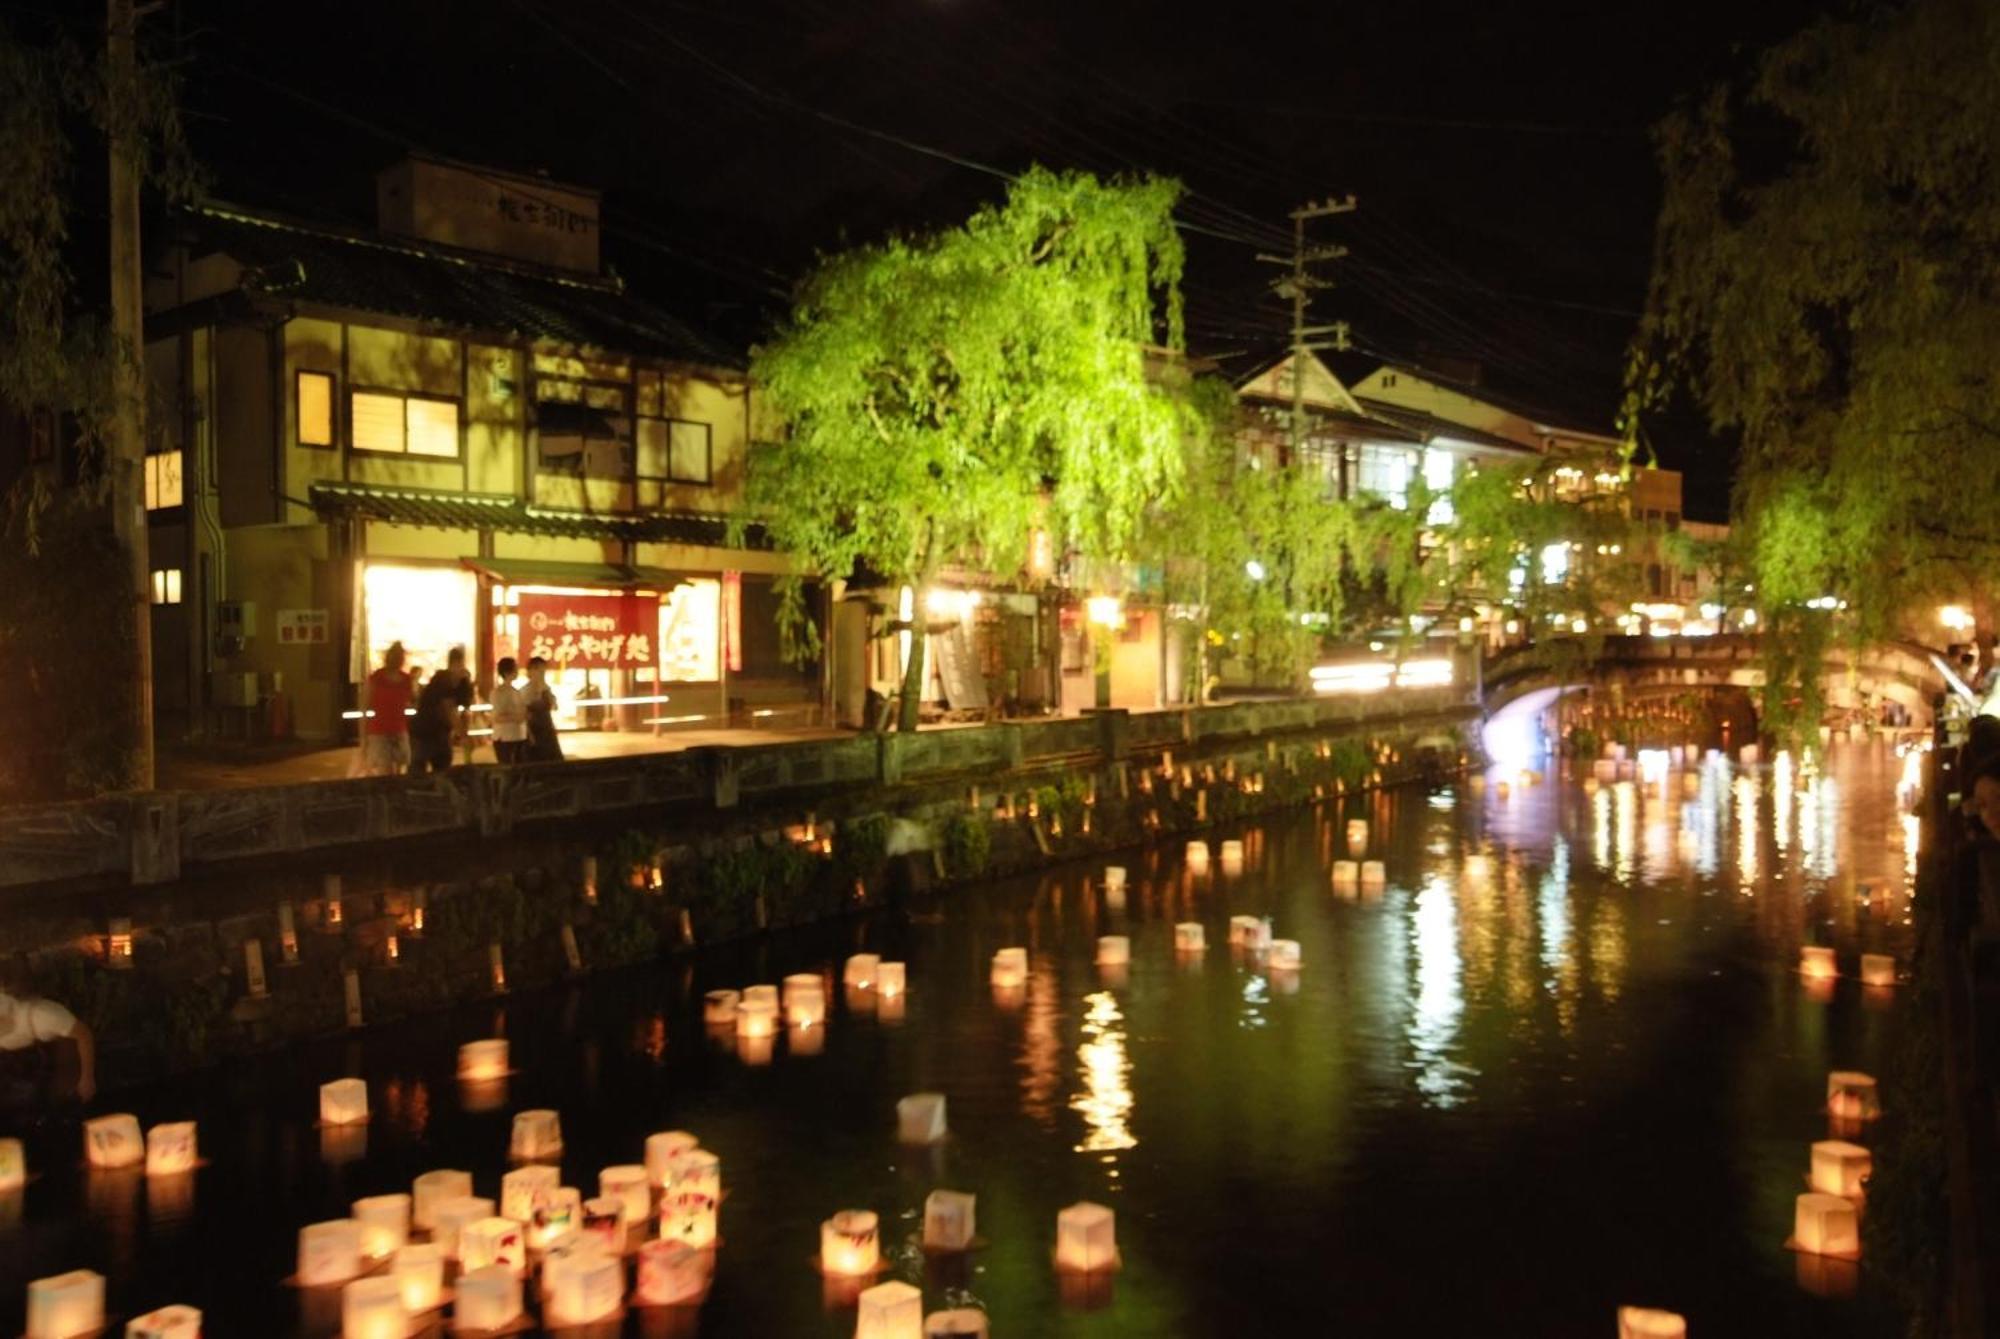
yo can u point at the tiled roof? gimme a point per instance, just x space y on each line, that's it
459 290
479 511
1428 427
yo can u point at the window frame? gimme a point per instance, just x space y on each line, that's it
333 417
458 415
166 588
150 486
708 451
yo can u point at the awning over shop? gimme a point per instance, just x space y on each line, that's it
475 511
542 572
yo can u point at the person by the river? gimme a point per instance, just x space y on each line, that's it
544 745
47 1054
510 713
440 718
385 730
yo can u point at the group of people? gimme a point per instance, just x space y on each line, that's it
419 729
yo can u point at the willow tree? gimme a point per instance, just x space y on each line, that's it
947 396
1827 286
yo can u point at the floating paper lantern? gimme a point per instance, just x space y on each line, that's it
66 1306
537 1136
1639 1322
1852 1096
170 1148
372 1308
672 1273
1346 873
1284 955
482 1060
1816 961
1232 857
113 1141
756 1018
329 1252
890 979
1190 937
343 1102
452 1216
1086 1238
860 970
1373 874
1010 967
629 1184
664 1152
604 1223
1114 877
559 1215
1114 950
1878 969
385 1224
700 1170
920 1118
1357 836
850 1243
487 1299
1197 857
1242 929
1825 1225
718 1008
800 984
13 1166
688 1217
167 1322
432 1189
583 1287
956 1323
890 1310
805 1010
760 995
1840 1168
948 1220
526 1189
419 1274
756 1049
493 1241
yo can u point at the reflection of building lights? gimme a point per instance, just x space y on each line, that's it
118 947
1105 610
1106 1100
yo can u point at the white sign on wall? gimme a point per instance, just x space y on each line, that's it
304 627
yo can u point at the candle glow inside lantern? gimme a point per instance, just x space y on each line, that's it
1878 969
949 1216
920 1118
1114 876
479 1061
170 1148
1114 950
1284 955
1640 1322
1373 874
632 1187
892 1310
1840 1168
556 1217
664 1152
1852 1096
688 1217
329 1252
583 1287
537 1136
452 1216
113 1141
700 1171
419 1274
604 1223
1232 857
965 1322
372 1308
493 1241
890 979
1346 873
718 1008
66 1306
1197 857
343 1102
13 1165
806 1010
1816 962
850 1243
672 1273
431 1189
801 984
760 995
860 970
526 1189
1243 928
756 1018
487 1299
1086 1239
1010 967
1190 937
167 1322
1825 1225
385 1224
1357 836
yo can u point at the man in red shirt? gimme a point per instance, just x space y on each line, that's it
385 728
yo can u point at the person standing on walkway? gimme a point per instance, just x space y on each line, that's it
440 718
543 743
385 730
510 714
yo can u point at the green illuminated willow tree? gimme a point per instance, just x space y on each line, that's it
947 396
1827 286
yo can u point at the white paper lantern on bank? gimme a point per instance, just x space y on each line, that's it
1825 1225
385 1224
66 1306
170 1148
487 1299
664 1152
419 1274
583 1287
480 1061
1851 1095
113 1141
850 1243
1010 967
891 979
167 1322
343 1102
1086 1239
718 1007
537 1136
453 1216
1840 1168
1114 951
372 1308
860 970
948 1220
432 1189
957 1323
920 1118
1639 1322
329 1252
1190 937
672 1273
629 1184
890 1310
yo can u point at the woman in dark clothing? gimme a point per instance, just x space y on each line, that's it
544 745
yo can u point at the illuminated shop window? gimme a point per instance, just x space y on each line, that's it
167 585
403 424
315 409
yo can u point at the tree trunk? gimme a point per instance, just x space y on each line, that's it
913 674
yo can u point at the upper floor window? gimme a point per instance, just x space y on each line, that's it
163 480
315 403
395 423
1385 472
1440 468
166 585
584 428
676 450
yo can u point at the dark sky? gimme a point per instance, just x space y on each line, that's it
1499 150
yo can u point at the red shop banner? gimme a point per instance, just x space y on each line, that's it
615 630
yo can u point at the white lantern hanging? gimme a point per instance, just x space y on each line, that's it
583 1287
527 1189
850 1243
1086 1239
1852 1096
1190 937
13 1166
1373 874
167 1322
1010 967
1825 1225
1357 837
537 1136
1232 857
452 1217
432 1189
480 1061
1878 969
672 1273
493 1241
385 1224
66 1306
1639 1322
329 1252
1284 955
949 1217
891 979
892 1310
860 970
170 1148
343 1102
113 1141
718 1008
760 995
920 1118
1840 1168
688 1217
756 1019
372 1308
1197 857
1816 962
664 1152
629 1184
487 1299
1114 951
419 1274
964 1322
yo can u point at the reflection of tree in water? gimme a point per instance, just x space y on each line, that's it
1041 1050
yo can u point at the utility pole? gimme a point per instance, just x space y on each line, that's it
1298 284
128 423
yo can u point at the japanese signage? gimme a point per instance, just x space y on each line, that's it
609 631
303 627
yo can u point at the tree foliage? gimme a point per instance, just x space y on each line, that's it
1825 286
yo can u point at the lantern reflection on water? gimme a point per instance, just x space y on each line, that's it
890 1310
343 1102
168 1322
1825 1225
850 1243
66 1306
329 1252
419 1275
959 1323
1086 1238
372 1308
920 1118
948 1220
1840 1168
487 1299
431 1189
385 1224
1638 1322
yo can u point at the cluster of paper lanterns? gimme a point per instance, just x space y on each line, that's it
1818 964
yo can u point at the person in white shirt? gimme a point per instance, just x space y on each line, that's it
46 1052
510 714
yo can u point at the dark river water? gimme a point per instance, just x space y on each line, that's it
1562 1061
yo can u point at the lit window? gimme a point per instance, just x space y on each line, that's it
376 422
1439 469
1385 472
1555 563
315 409
403 424
167 585
163 480
688 459
433 427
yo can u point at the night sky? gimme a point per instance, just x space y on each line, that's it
1500 151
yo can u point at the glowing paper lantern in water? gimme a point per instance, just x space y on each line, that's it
1357 836
583 1287
1232 857
1878 969
66 1306
850 1243
1638 1322
13 1166
759 996
343 1102
890 979
672 1274
948 1220
479 1061
419 1275
1190 937
920 1118
629 1184
800 984
1010 967
890 1310
537 1136
1242 929
958 1323
805 1010
432 1189
488 1299
113 1141
1816 962
373 1309
700 1171
1373 874
1840 1168
1086 1238
168 1322
688 1217
385 1224
453 1216
664 1152
493 1241
170 1148
756 1018
604 1223
1114 950
557 1216
526 1189
1852 1096
1346 873
329 1252
1197 857
860 970
1284 955
1825 1225
1114 877
718 1008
